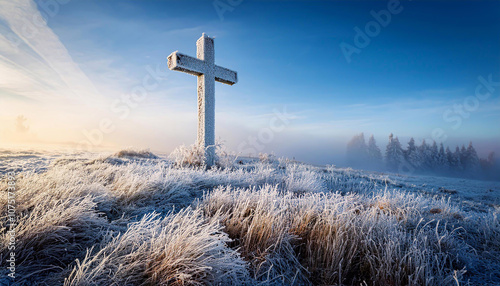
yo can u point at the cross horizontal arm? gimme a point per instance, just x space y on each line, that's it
185 63
226 76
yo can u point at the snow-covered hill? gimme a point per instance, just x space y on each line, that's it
134 218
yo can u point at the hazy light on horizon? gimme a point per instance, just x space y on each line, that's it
71 78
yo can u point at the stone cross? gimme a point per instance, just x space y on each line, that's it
207 72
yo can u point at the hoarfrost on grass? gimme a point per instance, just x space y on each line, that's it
135 218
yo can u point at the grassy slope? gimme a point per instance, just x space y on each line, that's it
135 219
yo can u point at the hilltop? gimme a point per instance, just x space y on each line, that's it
136 218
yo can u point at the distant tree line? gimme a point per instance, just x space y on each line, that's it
423 159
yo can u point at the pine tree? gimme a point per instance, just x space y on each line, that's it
425 156
412 154
458 168
393 154
433 157
472 160
490 167
442 160
487 163
463 158
452 160
357 151
374 154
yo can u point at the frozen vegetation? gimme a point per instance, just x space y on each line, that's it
136 218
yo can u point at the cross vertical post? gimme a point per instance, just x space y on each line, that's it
206 99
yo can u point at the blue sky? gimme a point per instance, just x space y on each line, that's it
288 56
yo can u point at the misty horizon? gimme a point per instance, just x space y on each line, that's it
74 79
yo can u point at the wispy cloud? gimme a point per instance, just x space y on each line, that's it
33 62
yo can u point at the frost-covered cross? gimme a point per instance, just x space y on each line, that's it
207 72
